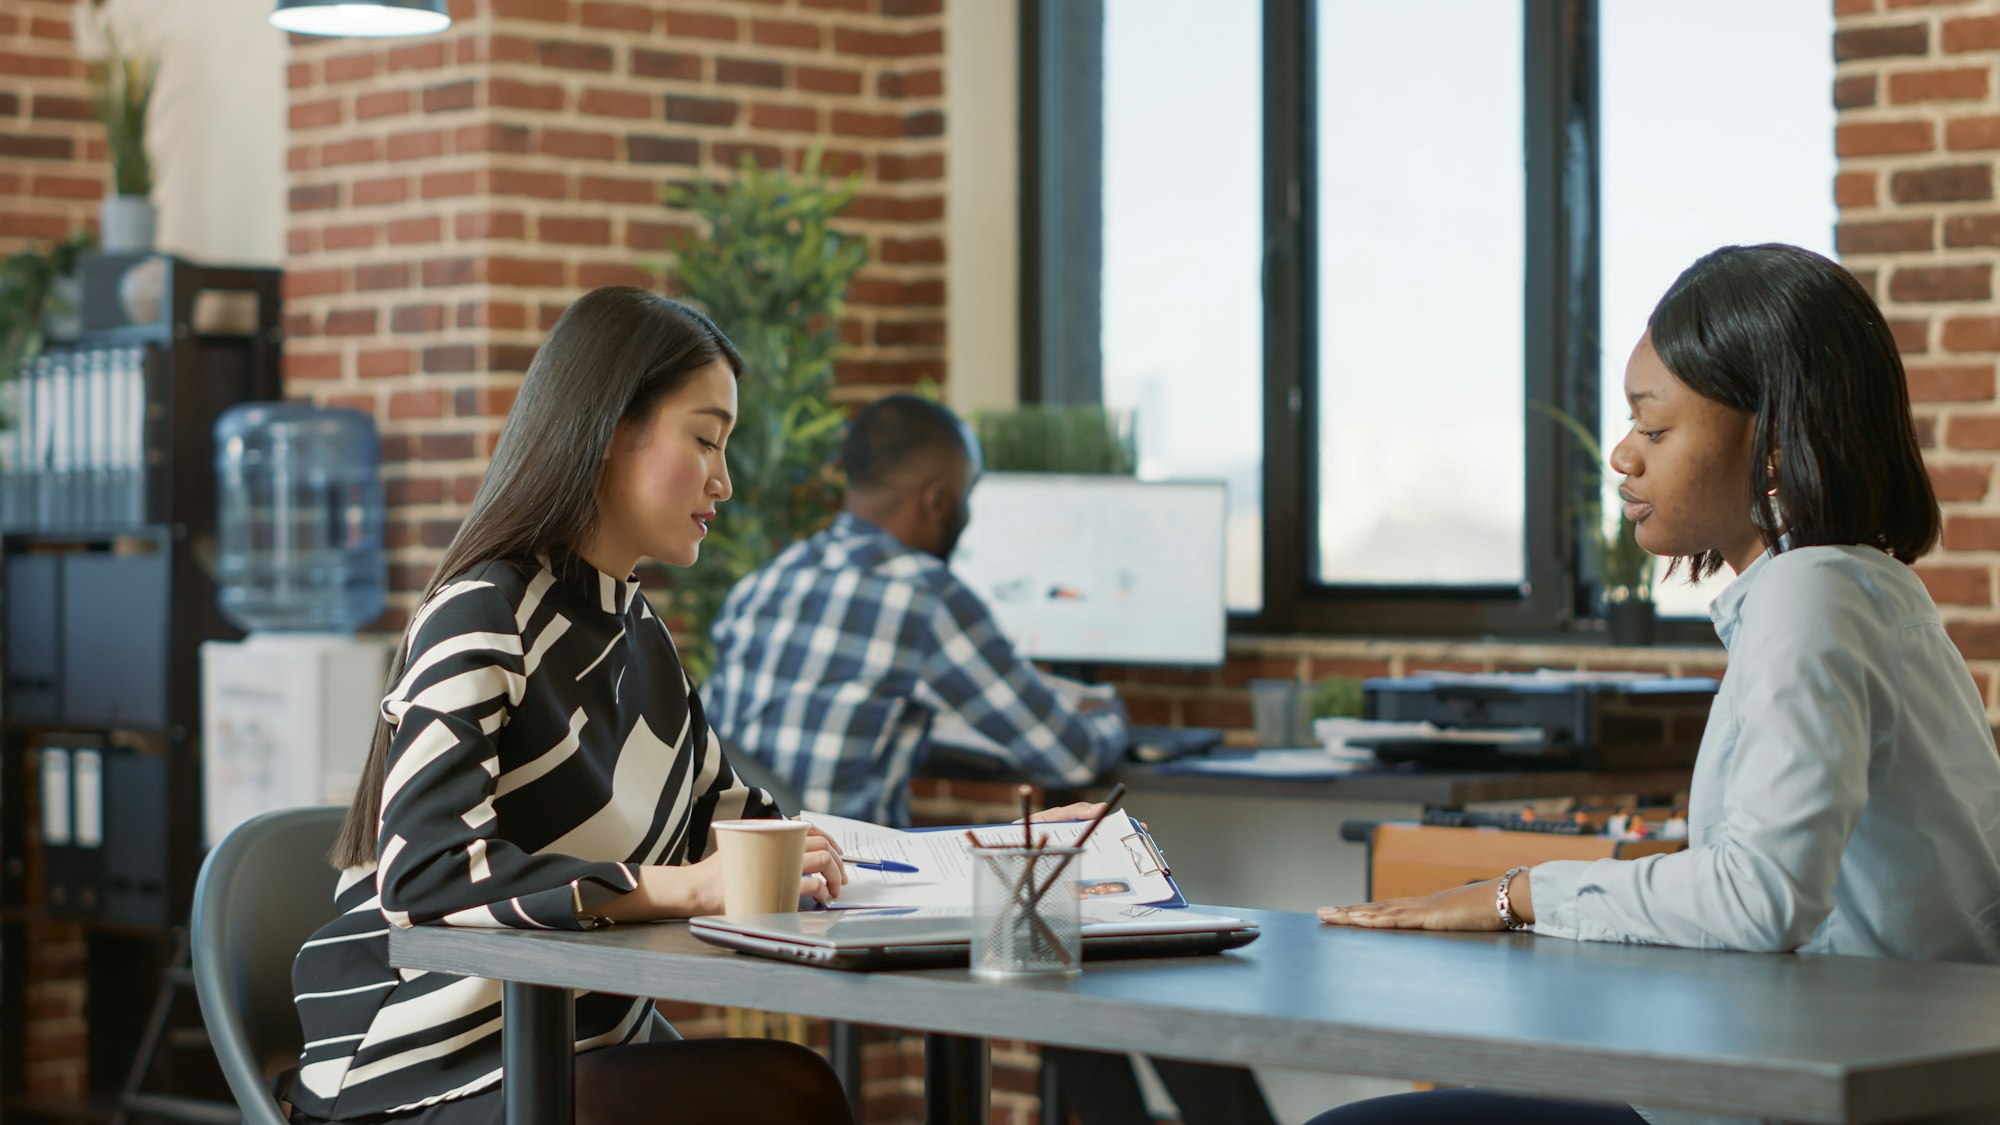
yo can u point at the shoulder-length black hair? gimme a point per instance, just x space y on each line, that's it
1794 340
613 356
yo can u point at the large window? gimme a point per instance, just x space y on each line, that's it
1183 328
1344 254
1421 257
1744 155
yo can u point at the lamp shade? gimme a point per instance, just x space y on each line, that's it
370 18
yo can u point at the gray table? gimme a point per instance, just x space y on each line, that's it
1819 1039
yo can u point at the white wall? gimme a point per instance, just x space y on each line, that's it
982 192
218 126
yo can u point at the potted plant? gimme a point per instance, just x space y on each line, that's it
772 271
33 298
1057 438
1625 569
123 80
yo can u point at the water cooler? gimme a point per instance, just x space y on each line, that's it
288 712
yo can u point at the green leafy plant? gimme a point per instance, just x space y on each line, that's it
1337 697
769 267
1626 567
1058 439
28 294
123 80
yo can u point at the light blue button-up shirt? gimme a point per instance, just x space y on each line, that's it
1847 794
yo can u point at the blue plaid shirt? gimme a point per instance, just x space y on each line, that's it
831 662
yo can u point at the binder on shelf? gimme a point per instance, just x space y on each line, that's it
86 793
55 797
75 454
31 614
133 867
59 863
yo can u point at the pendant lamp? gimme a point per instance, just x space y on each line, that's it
369 18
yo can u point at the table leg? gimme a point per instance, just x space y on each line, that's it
955 1080
845 1051
538 1047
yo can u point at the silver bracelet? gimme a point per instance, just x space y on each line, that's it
1501 902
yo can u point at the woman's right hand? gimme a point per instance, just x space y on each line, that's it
695 889
824 874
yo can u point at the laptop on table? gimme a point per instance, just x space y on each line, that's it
941 937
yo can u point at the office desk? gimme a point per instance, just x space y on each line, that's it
1409 786
1450 788
1819 1039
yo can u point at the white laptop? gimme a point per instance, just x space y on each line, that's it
912 937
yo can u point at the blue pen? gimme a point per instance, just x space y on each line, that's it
888 865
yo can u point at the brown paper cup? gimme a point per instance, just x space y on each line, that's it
762 862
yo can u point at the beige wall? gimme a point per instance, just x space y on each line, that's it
982 195
219 126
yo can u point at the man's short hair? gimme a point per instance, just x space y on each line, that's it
895 433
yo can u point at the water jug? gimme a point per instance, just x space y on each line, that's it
299 517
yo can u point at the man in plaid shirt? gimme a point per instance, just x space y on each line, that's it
832 660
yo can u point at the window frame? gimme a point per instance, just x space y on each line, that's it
1061 292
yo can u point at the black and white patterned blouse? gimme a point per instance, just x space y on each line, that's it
546 741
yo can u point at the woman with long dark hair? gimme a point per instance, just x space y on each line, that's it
542 760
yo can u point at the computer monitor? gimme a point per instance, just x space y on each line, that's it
1099 568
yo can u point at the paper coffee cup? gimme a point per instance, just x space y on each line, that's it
762 862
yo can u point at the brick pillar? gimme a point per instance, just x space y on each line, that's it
1919 127
53 167
450 196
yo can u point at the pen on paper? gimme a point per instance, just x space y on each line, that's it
888 865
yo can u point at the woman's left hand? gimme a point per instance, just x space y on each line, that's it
1078 810
1471 907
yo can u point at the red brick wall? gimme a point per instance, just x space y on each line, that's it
52 171
52 157
450 196
1919 127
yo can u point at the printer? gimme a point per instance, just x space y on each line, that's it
1539 720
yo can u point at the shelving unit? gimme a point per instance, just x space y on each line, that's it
107 507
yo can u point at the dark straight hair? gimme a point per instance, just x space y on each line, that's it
1794 340
614 356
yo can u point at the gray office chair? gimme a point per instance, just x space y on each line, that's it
262 892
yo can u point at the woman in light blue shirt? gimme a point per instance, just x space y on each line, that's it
1846 798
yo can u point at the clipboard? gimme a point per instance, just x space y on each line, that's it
1137 843
1135 855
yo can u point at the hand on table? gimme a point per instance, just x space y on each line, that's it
1470 907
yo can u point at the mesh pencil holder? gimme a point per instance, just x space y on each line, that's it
1025 914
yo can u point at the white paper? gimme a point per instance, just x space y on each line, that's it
1115 853
1333 733
1276 763
1540 675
